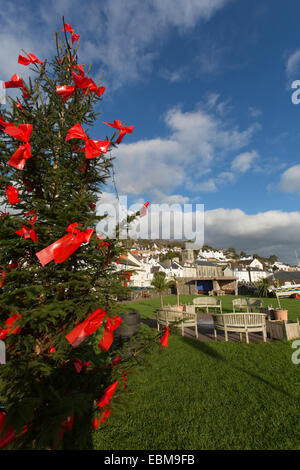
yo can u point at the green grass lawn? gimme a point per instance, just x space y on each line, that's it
213 395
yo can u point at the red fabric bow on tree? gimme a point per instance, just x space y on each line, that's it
19 105
23 133
16 82
65 91
108 394
31 59
27 232
87 84
80 69
143 210
3 124
86 328
31 221
69 29
60 250
12 194
67 425
107 340
103 418
9 435
165 338
10 327
93 148
3 276
123 129
79 365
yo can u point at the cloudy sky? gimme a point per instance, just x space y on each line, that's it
208 86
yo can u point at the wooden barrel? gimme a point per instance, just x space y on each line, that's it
129 326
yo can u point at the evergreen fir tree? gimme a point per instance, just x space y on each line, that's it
47 386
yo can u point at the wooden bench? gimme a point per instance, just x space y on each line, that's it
240 323
247 303
208 302
169 316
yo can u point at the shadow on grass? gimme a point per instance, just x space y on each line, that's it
207 349
265 382
203 347
210 351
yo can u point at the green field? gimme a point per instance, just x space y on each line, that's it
213 395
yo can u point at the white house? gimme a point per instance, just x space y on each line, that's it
281 266
246 274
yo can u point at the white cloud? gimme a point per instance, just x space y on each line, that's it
197 141
243 161
123 38
174 76
255 112
290 180
264 233
293 64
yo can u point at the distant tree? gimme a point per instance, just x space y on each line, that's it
160 284
243 254
272 259
178 282
170 255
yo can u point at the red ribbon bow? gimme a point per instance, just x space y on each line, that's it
31 59
67 425
3 123
123 129
165 338
106 342
23 133
65 91
143 210
31 221
27 232
87 84
69 29
12 194
16 82
103 418
79 365
3 276
60 250
86 328
93 148
10 432
108 394
10 327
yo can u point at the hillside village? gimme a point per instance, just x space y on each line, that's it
202 271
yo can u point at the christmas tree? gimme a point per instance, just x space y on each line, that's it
58 281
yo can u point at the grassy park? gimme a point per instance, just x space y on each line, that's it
213 395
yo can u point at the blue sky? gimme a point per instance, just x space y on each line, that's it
207 85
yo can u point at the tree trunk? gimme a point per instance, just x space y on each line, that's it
161 301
